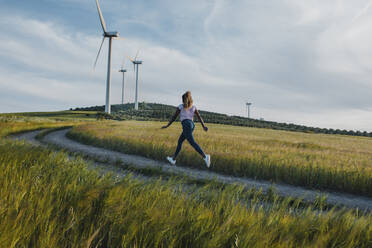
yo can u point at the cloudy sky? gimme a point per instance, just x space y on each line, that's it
306 62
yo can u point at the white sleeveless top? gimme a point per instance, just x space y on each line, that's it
186 114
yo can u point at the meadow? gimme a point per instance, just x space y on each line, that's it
23 122
48 199
321 161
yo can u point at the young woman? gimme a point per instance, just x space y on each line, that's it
186 112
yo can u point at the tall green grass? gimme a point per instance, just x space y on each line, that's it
312 160
47 200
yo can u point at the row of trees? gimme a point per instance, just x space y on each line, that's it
162 112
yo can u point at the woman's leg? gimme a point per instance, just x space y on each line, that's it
191 140
181 139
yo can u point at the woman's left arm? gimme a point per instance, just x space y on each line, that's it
174 117
201 120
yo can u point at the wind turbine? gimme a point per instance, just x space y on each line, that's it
110 36
135 65
122 70
248 109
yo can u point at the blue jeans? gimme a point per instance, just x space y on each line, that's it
188 127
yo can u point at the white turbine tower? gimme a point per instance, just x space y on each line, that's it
135 65
248 109
110 36
122 70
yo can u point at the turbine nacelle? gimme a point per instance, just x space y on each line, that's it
122 70
111 34
135 61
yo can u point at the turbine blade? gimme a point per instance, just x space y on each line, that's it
134 65
130 59
137 54
99 51
101 17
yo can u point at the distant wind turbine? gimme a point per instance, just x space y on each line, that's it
110 36
122 70
248 109
135 65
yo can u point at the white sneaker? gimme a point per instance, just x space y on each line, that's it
207 160
171 160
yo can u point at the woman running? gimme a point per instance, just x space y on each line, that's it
187 111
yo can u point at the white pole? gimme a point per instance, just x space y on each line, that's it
136 100
249 111
122 93
108 84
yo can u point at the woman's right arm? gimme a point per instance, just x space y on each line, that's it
174 117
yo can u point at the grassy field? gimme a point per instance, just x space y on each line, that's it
56 115
22 122
334 162
47 200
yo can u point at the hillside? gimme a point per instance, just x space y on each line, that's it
162 112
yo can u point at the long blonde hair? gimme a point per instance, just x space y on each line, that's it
187 100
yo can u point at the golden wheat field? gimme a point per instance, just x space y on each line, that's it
48 199
323 161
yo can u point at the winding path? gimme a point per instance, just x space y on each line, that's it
59 139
